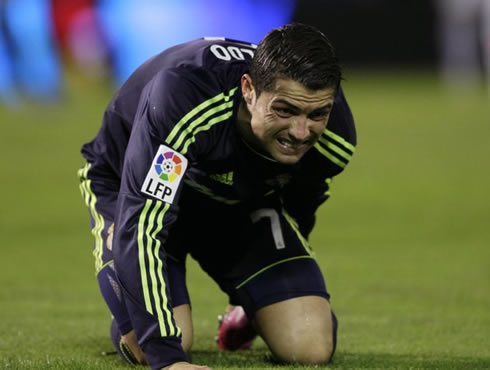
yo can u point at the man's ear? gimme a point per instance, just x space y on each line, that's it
248 90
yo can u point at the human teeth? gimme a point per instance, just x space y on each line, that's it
286 143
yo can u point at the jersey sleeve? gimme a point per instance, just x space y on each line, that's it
163 143
329 157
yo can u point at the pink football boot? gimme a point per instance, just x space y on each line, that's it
235 331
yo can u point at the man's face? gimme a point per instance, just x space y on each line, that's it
287 121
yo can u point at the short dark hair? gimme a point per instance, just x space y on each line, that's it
299 52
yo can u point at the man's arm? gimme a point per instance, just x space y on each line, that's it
146 210
164 139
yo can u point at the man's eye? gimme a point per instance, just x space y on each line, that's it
319 116
284 112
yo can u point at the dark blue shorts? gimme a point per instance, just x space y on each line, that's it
255 253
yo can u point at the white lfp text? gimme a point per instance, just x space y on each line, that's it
158 189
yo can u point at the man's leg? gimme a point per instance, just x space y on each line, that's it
269 270
285 296
101 202
298 330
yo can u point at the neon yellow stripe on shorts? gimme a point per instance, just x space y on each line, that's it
90 200
295 227
268 267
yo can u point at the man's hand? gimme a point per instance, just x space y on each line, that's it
185 366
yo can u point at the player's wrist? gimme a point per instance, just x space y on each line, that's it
162 353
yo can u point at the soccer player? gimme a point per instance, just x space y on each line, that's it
222 150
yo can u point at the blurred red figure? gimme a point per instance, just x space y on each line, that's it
79 35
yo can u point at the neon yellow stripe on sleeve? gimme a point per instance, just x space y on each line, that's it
179 127
189 129
141 256
211 123
330 156
340 140
335 149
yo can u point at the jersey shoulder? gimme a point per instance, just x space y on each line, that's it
191 73
217 59
191 100
212 53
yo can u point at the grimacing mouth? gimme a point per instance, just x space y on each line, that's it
294 144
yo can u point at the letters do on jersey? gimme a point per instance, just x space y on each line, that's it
230 52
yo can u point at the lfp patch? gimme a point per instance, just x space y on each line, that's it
165 174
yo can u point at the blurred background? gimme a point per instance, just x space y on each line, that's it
404 240
108 39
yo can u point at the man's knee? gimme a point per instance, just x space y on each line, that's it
299 330
307 349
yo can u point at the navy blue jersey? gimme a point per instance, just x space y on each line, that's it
172 126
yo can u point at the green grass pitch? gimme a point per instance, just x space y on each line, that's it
404 242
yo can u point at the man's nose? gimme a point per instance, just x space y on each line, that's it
299 129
